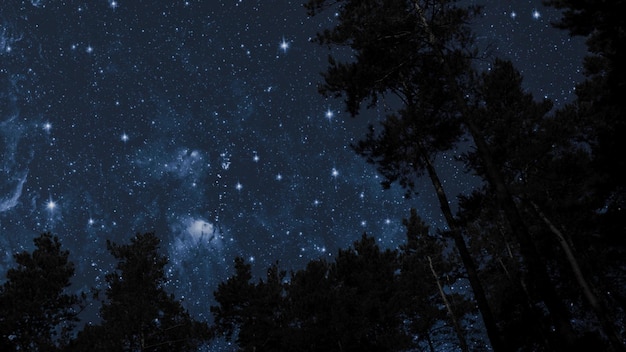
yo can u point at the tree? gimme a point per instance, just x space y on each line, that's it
421 51
367 299
36 312
400 51
544 168
352 304
411 49
253 314
600 99
138 314
422 267
599 110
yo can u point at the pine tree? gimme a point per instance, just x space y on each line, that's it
367 299
36 311
138 313
600 104
546 171
423 264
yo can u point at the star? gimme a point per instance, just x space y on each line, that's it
536 14
51 205
284 45
334 172
238 186
47 126
329 114
124 137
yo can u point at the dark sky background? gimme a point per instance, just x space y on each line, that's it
201 121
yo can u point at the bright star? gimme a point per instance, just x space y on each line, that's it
334 172
329 114
51 205
238 186
284 45
536 14
124 137
279 177
47 126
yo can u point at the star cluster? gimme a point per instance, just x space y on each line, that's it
201 121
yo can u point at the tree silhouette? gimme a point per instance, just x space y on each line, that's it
138 314
421 52
600 105
36 312
367 299
547 172
413 51
423 265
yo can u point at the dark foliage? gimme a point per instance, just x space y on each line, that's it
554 184
36 311
600 108
366 300
138 314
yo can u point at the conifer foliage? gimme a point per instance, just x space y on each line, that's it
138 314
37 313
367 299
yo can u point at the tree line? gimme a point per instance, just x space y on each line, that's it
541 243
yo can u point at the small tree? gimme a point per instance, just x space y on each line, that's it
138 314
36 312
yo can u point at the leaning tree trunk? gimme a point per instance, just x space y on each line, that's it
470 267
455 321
538 280
588 292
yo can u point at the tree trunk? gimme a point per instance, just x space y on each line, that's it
588 292
455 322
470 267
538 280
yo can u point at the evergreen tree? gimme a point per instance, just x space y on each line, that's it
600 107
412 49
548 173
401 49
36 311
368 299
252 314
138 314
423 265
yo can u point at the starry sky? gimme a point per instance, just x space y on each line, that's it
201 121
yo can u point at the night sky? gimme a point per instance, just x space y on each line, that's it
201 121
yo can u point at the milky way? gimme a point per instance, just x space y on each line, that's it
201 121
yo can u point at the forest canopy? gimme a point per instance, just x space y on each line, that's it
540 246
